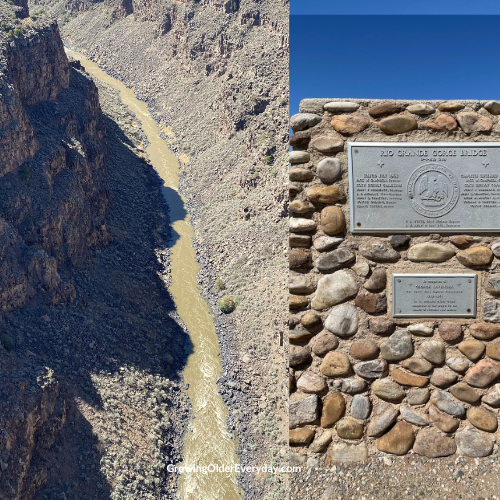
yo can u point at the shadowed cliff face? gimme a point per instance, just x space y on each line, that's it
33 68
53 196
24 9
90 345
115 354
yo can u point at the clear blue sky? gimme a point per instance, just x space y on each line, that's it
394 57
396 7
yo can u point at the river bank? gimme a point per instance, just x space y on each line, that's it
207 441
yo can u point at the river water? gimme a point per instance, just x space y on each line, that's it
207 441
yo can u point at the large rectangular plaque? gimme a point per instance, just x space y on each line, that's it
434 295
424 187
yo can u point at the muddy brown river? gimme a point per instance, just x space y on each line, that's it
207 441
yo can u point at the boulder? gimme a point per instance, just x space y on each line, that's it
335 364
397 347
473 443
430 252
383 416
303 412
342 320
333 409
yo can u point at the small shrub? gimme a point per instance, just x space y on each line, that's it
7 342
18 31
219 285
46 377
274 172
24 172
256 175
227 305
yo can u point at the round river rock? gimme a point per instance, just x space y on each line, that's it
335 364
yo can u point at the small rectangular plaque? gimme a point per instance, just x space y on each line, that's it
434 295
424 187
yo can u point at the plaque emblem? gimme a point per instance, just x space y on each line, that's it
433 190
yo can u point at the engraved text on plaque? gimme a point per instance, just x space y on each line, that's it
434 295
424 187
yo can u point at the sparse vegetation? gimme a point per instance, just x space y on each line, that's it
7 342
227 305
24 172
219 285
46 377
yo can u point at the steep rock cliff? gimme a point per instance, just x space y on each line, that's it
52 149
27 271
32 413
53 198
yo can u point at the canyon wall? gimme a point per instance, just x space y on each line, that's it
53 198
33 412
215 75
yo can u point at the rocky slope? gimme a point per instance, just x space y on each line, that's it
215 74
91 347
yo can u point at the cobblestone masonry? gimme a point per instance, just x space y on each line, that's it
362 382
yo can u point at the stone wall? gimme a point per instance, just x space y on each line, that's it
361 381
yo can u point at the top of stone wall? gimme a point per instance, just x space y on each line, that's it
315 105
